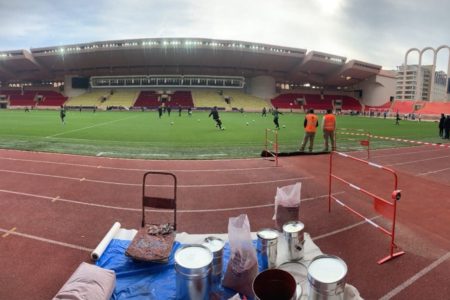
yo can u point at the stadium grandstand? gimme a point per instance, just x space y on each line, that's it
198 73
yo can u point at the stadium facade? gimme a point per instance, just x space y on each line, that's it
260 70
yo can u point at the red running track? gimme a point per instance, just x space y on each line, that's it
55 208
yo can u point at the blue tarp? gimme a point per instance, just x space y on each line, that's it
144 280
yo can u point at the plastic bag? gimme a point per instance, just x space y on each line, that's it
243 266
287 203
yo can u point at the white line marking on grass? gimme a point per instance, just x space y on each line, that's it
157 185
135 169
433 172
49 241
213 154
416 161
416 277
342 229
88 127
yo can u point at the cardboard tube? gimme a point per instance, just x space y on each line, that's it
95 255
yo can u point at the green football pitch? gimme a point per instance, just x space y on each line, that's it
143 135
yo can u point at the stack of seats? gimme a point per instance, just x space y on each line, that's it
17 98
403 107
240 99
284 101
121 98
207 98
350 103
435 108
90 99
148 99
183 98
51 98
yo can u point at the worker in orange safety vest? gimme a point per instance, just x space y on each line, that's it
310 124
329 127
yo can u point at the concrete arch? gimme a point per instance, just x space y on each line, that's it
418 91
419 71
405 67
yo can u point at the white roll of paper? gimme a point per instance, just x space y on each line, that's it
98 251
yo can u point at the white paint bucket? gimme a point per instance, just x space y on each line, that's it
193 264
326 278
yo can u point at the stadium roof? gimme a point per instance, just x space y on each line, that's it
190 56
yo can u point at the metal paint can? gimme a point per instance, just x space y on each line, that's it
326 278
275 284
215 245
193 265
294 234
266 245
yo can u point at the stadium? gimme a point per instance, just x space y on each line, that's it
65 181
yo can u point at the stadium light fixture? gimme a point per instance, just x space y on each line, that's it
348 78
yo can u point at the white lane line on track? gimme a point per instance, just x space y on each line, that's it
407 153
70 201
342 229
45 240
433 172
134 169
417 161
127 159
88 127
416 277
48 240
152 210
156 185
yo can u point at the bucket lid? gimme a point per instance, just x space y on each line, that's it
268 234
327 269
193 256
214 244
293 226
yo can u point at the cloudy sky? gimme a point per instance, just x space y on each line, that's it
375 31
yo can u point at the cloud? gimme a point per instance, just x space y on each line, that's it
378 32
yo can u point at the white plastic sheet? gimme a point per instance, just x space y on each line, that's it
98 251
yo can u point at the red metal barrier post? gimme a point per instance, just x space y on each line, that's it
386 208
271 144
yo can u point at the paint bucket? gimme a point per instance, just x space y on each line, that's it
294 234
275 284
300 273
215 245
266 245
326 278
193 264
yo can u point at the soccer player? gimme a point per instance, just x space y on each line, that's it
215 114
62 114
275 114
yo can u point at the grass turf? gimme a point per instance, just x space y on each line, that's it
144 135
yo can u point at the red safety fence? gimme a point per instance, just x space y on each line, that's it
271 144
386 208
363 138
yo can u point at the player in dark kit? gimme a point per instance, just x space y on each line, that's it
160 111
215 114
275 114
62 114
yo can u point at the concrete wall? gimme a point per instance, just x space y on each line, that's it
261 86
68 90
377 90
